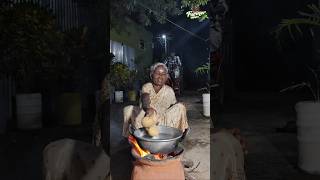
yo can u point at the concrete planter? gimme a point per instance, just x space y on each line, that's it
308 124
206 104
118 96
29 111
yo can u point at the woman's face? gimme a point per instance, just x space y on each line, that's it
159 76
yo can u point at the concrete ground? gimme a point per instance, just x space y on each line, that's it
272 155
196 144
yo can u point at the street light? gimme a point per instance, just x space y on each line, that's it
164 37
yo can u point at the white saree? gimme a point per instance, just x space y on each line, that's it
168 111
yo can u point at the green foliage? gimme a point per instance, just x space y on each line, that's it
207 88
308 20
311 20
76 53
142 10
203 69
193 3
200 15
119 75
29 41
315 89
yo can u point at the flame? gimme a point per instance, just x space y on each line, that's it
143 152
136 146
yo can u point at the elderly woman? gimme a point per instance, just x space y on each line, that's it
157 99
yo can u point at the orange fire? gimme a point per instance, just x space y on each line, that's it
136 146
143 152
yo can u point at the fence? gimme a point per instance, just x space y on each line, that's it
69 14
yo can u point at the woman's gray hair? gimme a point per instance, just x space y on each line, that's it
154 67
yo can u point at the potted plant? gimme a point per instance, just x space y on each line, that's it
205 70
119 78
308 114
308 118
69 103
29 43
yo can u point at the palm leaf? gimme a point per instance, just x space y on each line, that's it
203 69
311 20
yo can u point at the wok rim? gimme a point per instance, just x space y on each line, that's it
159 140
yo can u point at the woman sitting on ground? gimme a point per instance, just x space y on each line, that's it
157 99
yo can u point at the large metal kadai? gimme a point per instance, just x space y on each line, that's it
164 143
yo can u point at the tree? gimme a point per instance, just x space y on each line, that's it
29 43
143 11
215 10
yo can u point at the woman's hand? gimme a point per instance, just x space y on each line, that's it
150 111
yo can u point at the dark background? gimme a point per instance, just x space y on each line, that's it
260 64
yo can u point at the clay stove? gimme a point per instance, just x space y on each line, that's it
149 166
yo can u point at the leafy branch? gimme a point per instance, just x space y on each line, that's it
193 3
311 19
315 91
203 69
208 87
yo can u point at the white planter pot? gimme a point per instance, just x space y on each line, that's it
206 104
308 124
118 96
29 111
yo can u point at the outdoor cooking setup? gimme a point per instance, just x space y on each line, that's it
157 157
